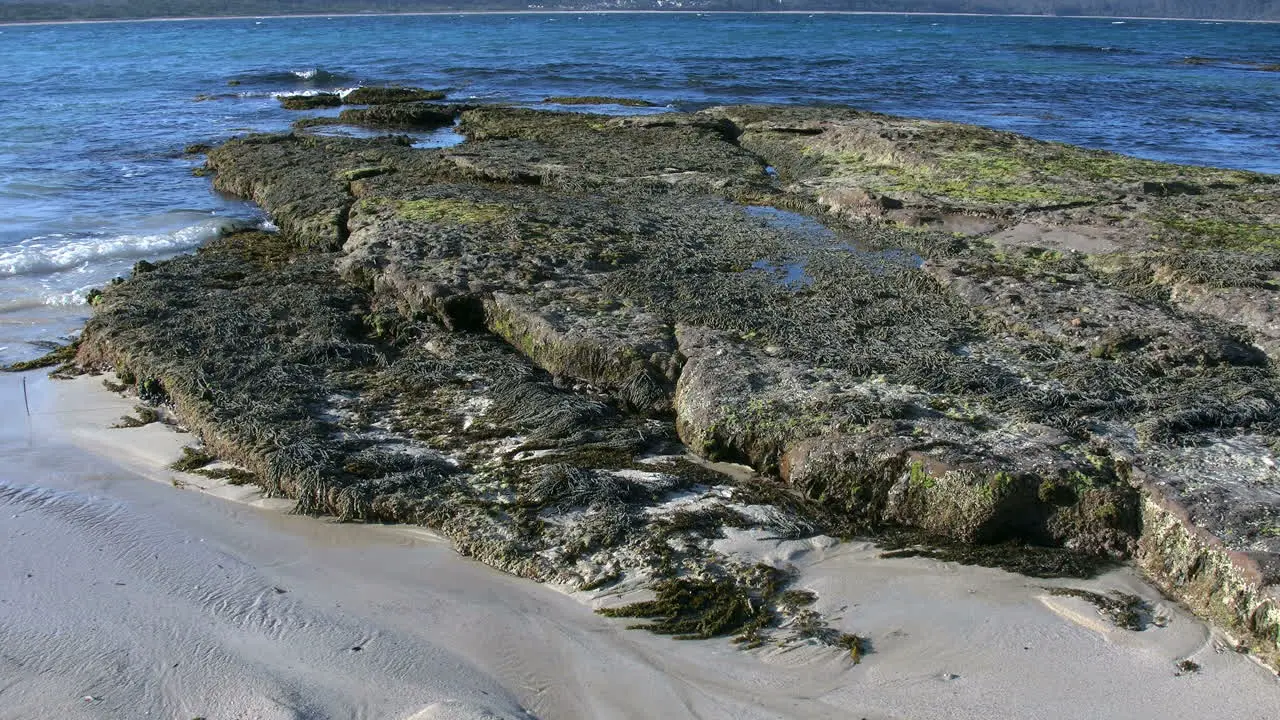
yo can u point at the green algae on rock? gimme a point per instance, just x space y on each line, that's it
1036 356
859 164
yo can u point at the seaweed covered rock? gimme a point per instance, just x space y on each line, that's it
401 115
577 149
308 186
310 102
368 95
894 322
281 366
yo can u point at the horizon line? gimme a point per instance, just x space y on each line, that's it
424 13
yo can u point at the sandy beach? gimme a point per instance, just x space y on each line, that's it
134 591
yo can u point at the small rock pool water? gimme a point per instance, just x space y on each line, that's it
791 272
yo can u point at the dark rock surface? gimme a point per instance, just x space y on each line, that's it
404 116
310 102
368 95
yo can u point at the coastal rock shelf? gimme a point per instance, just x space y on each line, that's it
524 341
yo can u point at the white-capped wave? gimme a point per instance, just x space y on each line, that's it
79 296
55 253
341 92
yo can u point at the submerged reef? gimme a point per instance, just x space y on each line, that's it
597 100
536 340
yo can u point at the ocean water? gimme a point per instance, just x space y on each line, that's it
94 117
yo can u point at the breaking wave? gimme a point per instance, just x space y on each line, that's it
306 77
79 296
55 253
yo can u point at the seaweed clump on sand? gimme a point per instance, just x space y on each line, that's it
1124 610
191 460
692 609
1034 356
60 357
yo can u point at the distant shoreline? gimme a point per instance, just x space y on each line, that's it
195 18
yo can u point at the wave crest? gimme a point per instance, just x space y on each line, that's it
56 253
306 77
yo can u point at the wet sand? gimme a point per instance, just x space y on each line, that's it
128 590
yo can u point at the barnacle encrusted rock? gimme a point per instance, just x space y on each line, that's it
894 322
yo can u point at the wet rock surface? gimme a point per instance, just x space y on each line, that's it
896 323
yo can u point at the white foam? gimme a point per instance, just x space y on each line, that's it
79 296
55 253
341 92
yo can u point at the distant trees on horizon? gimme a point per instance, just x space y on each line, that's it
35 10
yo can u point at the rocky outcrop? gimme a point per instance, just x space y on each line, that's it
893 322
889 453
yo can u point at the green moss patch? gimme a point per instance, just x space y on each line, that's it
1213 232
451 210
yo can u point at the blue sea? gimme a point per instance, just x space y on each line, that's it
94 117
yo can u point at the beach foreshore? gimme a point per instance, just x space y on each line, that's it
177 596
